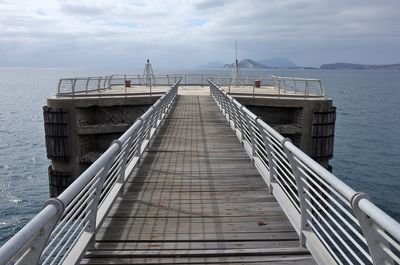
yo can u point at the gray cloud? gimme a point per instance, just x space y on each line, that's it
207 4
79 9
309 32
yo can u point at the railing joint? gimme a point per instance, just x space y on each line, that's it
118 142
56 202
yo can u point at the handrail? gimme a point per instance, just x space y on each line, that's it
328 215
83 86
62 231
306 86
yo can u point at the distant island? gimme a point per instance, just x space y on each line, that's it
352 66
247 63
283 63
271 63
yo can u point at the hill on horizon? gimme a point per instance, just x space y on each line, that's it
278 62
247 63
353 66
275 62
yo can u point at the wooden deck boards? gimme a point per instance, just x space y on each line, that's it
196 199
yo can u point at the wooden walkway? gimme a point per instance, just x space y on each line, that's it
197 199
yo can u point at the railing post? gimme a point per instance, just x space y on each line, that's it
91 228
105 82
150 86
227 111
59 87
252 138
87 84
98 84
221 96
241 117
234 113
369 230
228 106
150 121
271 161
279 86
306 88
109 81
121 173
73 87
321 88
301 188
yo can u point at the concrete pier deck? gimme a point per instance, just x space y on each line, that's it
196 199
191 89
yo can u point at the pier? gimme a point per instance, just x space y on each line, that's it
199 178
88 113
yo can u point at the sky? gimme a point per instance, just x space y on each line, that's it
183 33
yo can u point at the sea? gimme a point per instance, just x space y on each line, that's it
367 136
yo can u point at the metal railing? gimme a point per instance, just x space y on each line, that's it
66 226
283 85
84 85
305 86
328 215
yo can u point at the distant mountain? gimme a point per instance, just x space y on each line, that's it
352 66
247 63
278 62
211 65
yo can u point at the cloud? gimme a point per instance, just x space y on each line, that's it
179 33
80 9
207 4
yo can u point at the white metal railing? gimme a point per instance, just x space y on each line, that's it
305 86
66 226
81 86
337 224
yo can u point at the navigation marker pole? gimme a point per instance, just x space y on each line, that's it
235 72
148 74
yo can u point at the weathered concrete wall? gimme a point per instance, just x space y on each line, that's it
303 120
91 124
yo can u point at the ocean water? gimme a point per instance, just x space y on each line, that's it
367 143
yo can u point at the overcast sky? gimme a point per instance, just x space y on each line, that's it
182 33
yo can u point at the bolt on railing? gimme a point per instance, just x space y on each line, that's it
66 227
337 224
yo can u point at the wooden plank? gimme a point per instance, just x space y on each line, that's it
197 253
193 245
123 235
261 259
194 220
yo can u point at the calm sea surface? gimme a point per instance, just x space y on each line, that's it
367 141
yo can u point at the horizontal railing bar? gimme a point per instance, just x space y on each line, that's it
380 217
17 243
